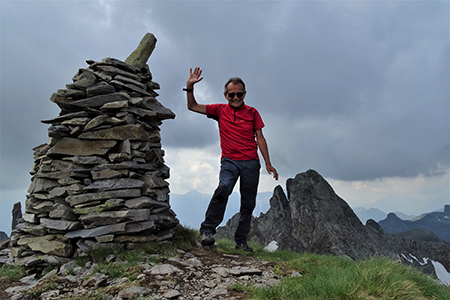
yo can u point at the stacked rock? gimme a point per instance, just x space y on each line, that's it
99 181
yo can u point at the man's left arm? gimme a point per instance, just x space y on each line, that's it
262 144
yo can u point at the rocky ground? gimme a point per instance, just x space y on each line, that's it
200 274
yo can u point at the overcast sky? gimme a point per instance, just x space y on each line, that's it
356 90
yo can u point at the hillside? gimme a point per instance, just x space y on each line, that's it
187 271
201 273
312 218
436 222
419 234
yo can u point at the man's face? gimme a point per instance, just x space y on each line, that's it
235 95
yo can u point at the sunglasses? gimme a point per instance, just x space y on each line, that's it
239 95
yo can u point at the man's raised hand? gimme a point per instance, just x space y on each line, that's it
194 77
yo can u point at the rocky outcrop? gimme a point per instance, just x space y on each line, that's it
100 180
3 236
312 218
197 275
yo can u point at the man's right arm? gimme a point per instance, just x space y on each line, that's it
192 104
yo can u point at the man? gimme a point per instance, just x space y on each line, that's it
240 128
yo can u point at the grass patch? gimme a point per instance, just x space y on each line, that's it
186 238
81 260
11 272
330 277
126 262
326 277
43 286
241 288
119 269
87 297
322 277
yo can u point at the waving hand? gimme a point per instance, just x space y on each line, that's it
194 77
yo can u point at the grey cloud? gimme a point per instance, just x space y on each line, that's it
356 90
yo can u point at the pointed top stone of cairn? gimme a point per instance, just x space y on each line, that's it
139 57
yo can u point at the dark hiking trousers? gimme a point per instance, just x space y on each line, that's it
230 170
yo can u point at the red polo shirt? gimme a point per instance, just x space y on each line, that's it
237 129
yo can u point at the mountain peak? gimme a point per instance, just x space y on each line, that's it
313 218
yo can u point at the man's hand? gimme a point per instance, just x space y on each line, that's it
194 77
272 170
192 104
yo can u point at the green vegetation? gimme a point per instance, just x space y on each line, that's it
127 262
43 286
90 296
11 273
330 277
322 277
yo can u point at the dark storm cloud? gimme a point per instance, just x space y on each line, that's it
358 90
371 77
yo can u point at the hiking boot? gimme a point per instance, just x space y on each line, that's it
206 239
244 247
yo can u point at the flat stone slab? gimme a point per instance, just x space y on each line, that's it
110 204
86 160
124 132
241 271
60 225
41 185
106 174
145 202
164 269
49 244
111 217
83 198
100 100
120 228
77 147
115 184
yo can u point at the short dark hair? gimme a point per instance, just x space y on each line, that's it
234 80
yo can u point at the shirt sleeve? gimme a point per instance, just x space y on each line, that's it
213 109
258 122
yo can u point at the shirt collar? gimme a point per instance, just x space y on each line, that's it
239 108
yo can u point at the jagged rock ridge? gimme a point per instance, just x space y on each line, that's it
312 218
99 181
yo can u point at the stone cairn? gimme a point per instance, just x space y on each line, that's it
99 181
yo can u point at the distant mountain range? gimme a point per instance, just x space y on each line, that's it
375 214
183 205
191 207
311 217
437 222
